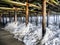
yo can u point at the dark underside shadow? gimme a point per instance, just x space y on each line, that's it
7 39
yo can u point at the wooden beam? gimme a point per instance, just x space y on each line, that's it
54 6
14 3
51 4
44 17
32 5
21 4
12 9
53 1
6 8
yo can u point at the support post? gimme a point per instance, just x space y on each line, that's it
23 19
15 13
36 19
31 19
0 17
47 18
15 17
40 19
44 17
9 17
20 19
56 19
6 19
27 19
59 21
3 19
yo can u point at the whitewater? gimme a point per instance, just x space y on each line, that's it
32 34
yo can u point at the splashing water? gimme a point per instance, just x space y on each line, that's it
29 34
32 34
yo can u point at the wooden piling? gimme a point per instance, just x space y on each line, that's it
23 19
15 17
3 18
20 19
56 19
0 17
44 17
9 17
6 19
15 13
27 17
47 18
36 19
31 19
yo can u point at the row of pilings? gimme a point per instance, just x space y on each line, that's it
4 19
44 13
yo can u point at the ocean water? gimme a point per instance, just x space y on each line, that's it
32 33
